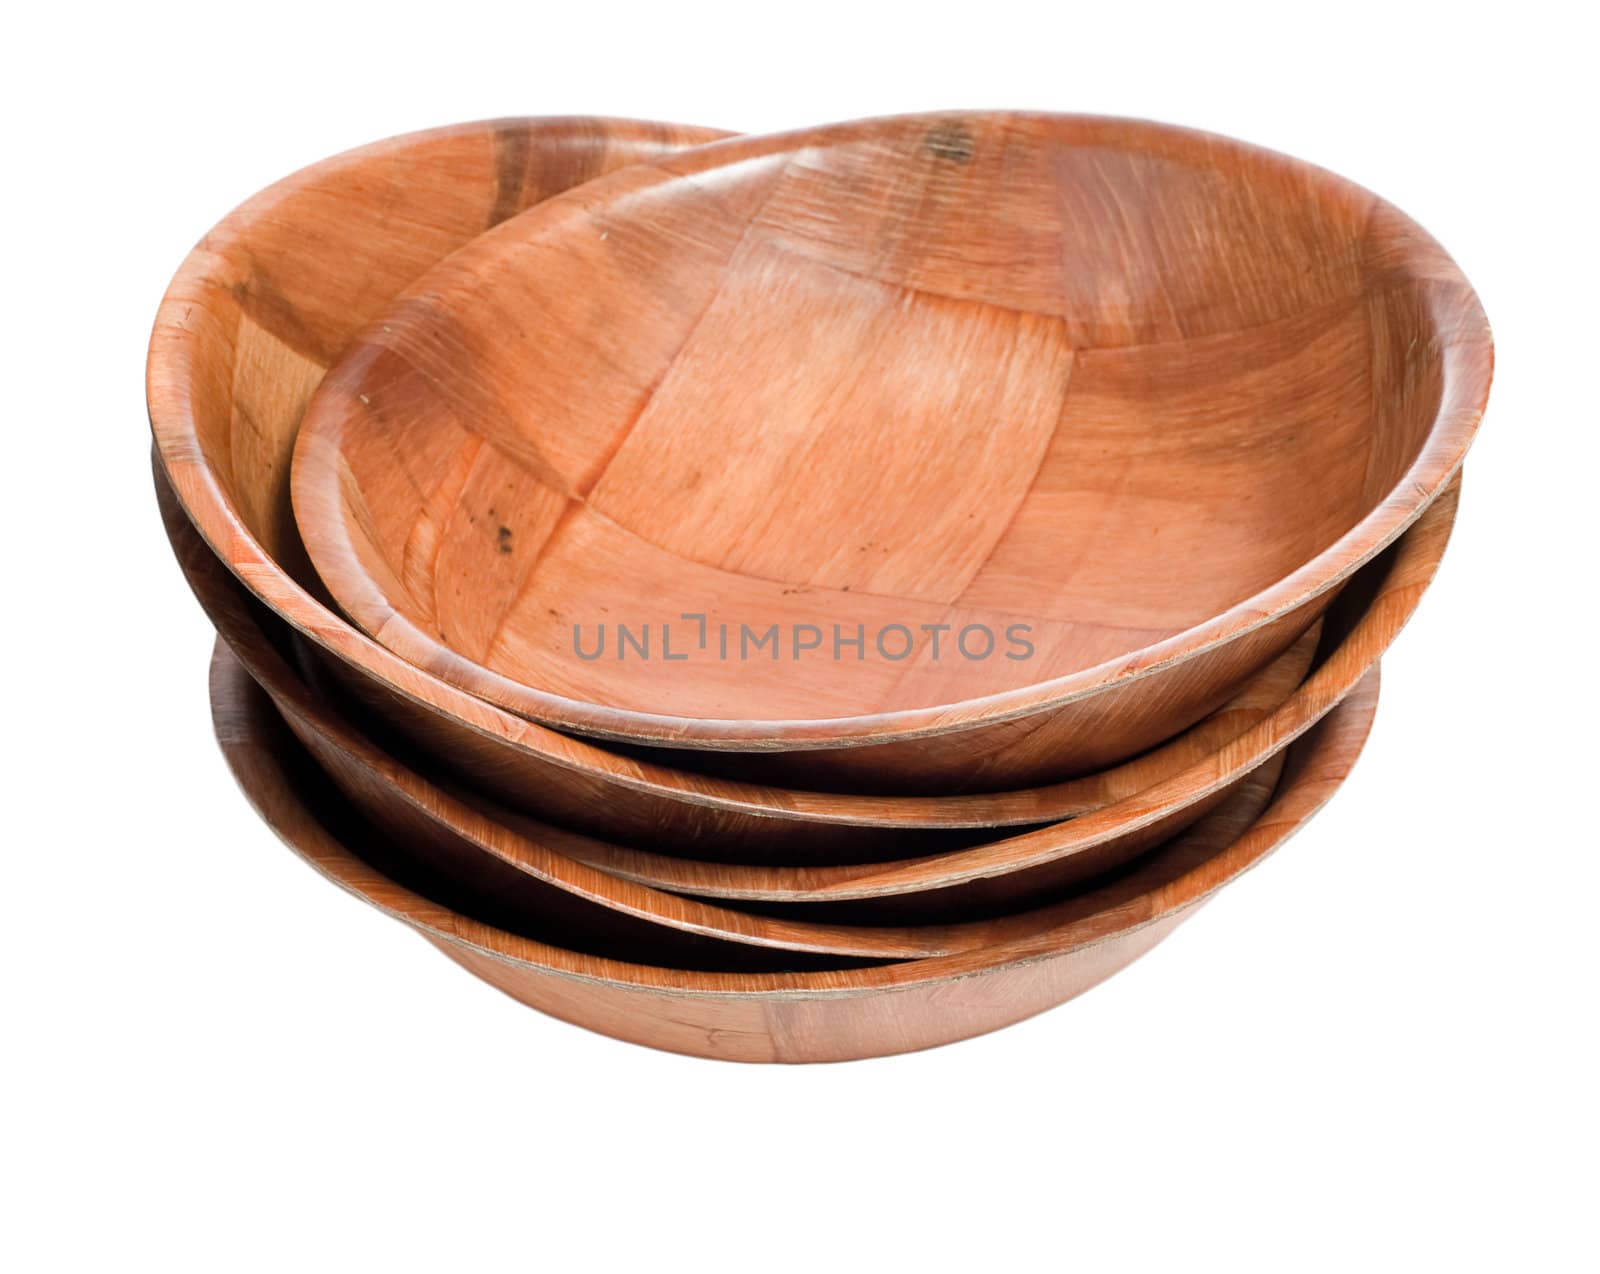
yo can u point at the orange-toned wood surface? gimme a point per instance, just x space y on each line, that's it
514 864
245 333
1149 393
947 887
1037 863
586 787
828 1015
533 878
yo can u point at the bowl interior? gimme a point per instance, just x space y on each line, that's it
874 418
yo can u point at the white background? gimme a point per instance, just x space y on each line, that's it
1378 1049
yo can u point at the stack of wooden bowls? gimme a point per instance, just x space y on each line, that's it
812 596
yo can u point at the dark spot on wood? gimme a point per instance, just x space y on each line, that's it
503 539
950 140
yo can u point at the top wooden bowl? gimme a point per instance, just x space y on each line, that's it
983 444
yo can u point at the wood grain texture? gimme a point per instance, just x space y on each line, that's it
246 331
687 813
1152 394
957 884
517 866
1035 864
534 878
825 1015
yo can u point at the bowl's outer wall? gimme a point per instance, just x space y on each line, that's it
830 1016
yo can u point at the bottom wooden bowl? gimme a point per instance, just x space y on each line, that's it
825 1015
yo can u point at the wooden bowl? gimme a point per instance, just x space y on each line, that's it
471 838
248 327
825 1015
1010 445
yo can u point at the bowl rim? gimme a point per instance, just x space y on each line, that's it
1466 366
1320 762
